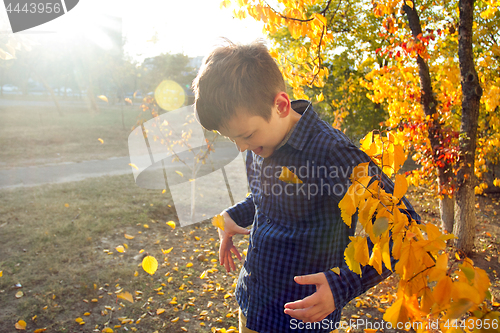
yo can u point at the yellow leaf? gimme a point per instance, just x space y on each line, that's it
189 264
320 97
1 273
133 166
218 221
126 296
347 207
167 251
409 3
149 264
171 224
179 173
442 290
176 319
102 97
66 205
400 187
86 314
107 330
19 294
336 270
380 226
288 176
120 248
203 275
160 311
136 273
40 330
349 253
146 226
20 325
78 320
101 140
127 236
396 313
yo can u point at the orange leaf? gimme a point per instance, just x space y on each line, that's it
20 325
126 296
171 224
288 176
127 236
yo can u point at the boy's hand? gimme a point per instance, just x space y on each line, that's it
226 242
316 306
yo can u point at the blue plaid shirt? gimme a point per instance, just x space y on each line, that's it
297 228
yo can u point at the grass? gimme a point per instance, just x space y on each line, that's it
33 135
58 242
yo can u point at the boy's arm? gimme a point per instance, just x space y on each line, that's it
347 285
243 212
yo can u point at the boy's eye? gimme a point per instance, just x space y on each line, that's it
248 137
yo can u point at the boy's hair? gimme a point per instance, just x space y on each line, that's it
233 78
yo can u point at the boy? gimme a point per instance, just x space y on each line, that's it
297 235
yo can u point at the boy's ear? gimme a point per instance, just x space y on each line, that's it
282 103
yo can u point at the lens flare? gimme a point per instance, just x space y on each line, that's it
169 95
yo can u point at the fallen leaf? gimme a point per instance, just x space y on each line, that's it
127 236
19 294
102 97
20 325
149 264
78 320
40 330
167 251
126 296
179 173
1 273
101 140
171 223
160 311
66 205
176 319
120 248
189 264
133 166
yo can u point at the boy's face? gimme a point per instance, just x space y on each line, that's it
254 133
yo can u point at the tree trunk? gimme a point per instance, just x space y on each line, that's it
465 226
91 96
429 105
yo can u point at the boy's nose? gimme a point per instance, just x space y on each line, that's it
241 146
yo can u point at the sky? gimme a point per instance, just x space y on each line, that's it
151 27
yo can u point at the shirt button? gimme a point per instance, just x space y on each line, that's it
268 220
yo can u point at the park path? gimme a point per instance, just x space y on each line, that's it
63 172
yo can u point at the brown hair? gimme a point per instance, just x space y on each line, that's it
236 77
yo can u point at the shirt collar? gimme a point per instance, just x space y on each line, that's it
304 127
